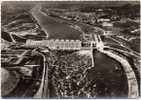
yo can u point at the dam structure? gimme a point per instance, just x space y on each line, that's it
57 44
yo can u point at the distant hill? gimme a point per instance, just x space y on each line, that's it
10 8
68 4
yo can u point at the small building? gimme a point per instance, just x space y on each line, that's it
103 20
107 24
108 33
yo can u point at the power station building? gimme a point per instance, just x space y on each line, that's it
57 44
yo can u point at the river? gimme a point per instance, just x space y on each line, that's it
53 28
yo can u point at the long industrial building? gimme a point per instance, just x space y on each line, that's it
57 44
